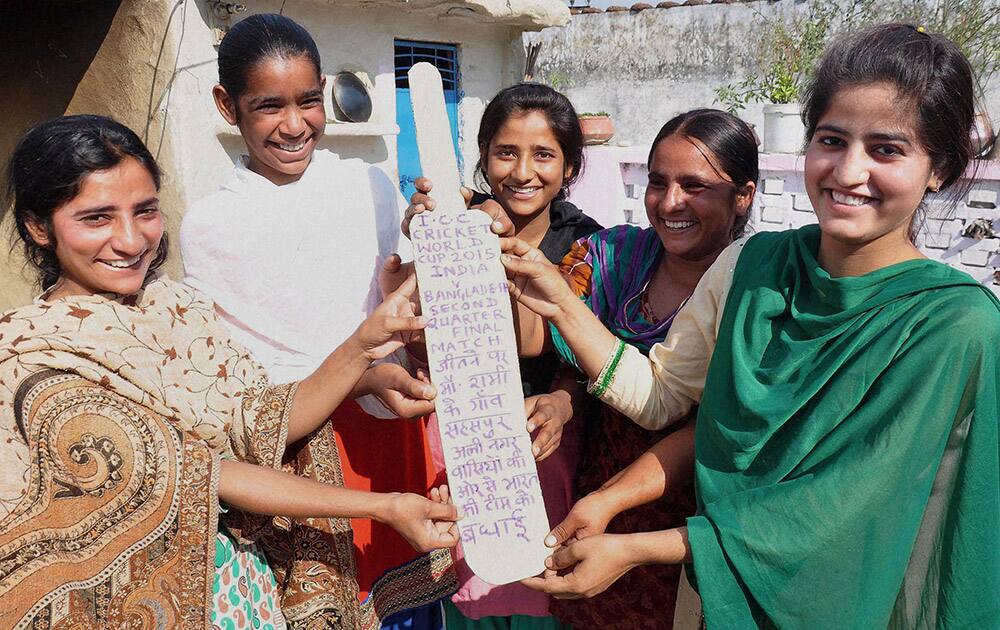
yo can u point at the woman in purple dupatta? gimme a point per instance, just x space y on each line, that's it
702 175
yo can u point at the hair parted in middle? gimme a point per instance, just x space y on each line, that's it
729 138
518 100
259 37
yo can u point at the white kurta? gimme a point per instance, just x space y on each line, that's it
293 269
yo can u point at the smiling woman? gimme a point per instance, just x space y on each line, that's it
270 87
702 178
834 485
280 115
129 413
290 248
105 238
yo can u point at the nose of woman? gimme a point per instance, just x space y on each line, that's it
293 125
673 199
127 238
851 167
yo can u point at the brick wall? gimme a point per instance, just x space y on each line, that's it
781 203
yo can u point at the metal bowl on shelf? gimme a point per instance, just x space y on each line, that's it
351 97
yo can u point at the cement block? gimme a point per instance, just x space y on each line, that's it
987 244
772 214
944 225
943 210
776 201
774 186
982 198
937 240
800 219
801 203
975 257
936 226
971 213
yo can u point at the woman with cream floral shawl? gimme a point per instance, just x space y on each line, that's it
126 412
114 413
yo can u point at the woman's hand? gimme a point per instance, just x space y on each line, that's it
393 274
404 395
547 414
585 568
382 332
421 201
589 517
426 524
533 280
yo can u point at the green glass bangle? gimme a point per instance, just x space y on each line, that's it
608 373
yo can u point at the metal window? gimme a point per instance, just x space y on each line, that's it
443 56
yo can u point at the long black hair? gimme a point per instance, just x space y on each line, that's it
730 140
518 100
260 37
930 75
48 167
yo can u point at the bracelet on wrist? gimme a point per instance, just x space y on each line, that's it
599 385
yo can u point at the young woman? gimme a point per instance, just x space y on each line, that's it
846 440
702 178
290 249
530 151
130 414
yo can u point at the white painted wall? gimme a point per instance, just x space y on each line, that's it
356 38
644 68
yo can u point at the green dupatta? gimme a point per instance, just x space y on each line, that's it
846 450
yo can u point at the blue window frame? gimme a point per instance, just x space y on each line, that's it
445 58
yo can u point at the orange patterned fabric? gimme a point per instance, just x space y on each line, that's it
117 525
162 361
576 269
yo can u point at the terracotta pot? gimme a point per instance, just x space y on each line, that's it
597 129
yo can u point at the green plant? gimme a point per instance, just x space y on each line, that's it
972 24
788 48
789 44
592 114
556 81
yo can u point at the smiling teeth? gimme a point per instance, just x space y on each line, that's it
292 147
524 190
849 200
123 264
678 225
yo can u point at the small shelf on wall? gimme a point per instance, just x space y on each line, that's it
366 129
362 129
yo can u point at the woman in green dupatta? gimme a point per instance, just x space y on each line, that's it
846 450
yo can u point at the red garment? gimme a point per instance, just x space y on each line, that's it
381 456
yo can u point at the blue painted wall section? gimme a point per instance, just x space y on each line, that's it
445 58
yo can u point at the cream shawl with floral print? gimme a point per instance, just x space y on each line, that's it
113 414
163 348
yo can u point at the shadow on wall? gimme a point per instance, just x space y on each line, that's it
48 47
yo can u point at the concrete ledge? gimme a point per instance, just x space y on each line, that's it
527 14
